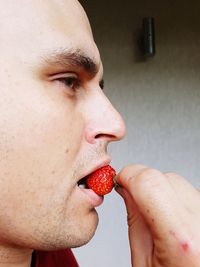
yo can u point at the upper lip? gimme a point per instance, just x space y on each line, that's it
99 165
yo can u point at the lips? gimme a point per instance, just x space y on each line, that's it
93 198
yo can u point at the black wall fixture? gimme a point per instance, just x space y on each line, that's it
147 41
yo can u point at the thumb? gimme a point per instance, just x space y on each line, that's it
131 207
140 238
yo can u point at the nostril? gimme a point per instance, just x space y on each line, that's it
108 136
98 136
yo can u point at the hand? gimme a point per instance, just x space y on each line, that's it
163 217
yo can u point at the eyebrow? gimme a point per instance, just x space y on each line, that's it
72 58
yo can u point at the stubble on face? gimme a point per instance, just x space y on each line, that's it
37 177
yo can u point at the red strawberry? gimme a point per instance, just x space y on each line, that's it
101 181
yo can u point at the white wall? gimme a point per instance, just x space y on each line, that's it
159 100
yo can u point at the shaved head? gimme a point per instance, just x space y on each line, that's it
55 124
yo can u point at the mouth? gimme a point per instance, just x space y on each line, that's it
82 183
93 198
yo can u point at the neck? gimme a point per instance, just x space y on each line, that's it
15 257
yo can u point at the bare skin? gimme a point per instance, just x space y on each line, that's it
163 217
55 126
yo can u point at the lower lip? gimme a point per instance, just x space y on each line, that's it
94 199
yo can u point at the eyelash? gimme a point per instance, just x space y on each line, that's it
71 82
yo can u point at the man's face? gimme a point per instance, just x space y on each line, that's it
55 124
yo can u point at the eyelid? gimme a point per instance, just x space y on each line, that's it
63 75
69 81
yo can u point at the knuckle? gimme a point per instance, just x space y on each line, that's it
148 178
171 174
132 167
131 170
175 179
149 173
153 172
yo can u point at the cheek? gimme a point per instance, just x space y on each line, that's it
40 136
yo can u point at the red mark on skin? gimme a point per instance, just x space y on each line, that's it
185 246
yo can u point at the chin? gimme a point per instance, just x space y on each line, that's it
71 235
81 242
85 232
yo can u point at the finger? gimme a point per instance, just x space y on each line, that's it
155 198
129 172
185 191
140 238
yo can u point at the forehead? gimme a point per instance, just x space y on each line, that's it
31 28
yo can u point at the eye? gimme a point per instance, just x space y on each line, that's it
68 81
72 82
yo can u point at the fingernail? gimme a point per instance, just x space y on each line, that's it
115 182
119 189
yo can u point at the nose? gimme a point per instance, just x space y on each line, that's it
104 122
